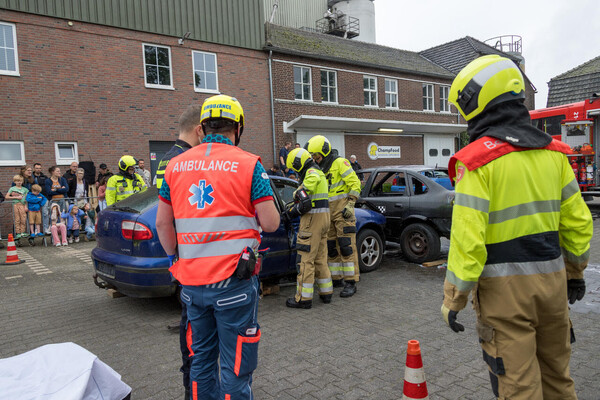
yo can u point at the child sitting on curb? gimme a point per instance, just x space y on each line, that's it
73 218
57 225
35 202
90 221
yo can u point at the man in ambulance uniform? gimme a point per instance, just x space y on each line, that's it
520 236
344 189
217 194
189 136
311 246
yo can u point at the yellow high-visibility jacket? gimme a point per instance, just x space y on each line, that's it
343 181
315 184
515 215
119 187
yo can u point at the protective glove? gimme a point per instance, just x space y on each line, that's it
348 211
450 318
575 290
172 259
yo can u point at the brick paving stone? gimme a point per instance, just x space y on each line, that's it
350 349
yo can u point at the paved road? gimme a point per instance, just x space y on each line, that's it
350 349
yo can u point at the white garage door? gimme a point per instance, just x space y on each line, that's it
438 150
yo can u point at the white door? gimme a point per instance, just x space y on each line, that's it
438 150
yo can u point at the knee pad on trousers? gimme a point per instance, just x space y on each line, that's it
345 246
298 261
331 249
349 229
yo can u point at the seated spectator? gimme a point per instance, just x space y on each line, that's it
79 191
57 224
73 219
102 193
57 187
35 202
104 172
275 171
18 195
90 222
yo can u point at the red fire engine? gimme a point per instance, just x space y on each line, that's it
578 125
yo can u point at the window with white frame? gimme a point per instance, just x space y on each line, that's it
12 153
370 90
9 59
157 66
205 72
302 83
428 97
329 86
391 93
444 104
65 152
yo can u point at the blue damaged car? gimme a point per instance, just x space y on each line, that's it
128 256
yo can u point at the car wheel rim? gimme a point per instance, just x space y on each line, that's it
418 243
369 251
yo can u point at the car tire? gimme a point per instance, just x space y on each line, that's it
370 250
420 243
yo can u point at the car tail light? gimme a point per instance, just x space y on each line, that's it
132 230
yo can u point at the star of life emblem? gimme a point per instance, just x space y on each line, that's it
201 194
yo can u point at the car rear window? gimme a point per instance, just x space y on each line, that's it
140 202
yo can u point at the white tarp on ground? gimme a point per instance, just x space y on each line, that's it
62 371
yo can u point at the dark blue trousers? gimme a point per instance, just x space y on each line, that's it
224 327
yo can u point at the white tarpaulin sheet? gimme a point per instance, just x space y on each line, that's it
62 371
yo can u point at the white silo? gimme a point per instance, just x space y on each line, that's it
363 10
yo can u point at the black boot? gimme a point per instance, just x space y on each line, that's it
349 289
291 302
338 282
326 298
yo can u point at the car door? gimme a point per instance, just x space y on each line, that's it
281 257
389 195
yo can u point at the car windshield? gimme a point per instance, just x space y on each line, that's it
138 202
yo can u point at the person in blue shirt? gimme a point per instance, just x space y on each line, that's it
35 202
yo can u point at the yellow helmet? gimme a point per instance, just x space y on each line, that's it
486 82
126 162
223 107
318 144
297 159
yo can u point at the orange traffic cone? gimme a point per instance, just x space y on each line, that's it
11 252
415 386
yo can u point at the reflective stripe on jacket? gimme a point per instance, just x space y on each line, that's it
210 187
515 215
119 187
316 186
343 181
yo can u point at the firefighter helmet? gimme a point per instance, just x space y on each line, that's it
126 162
318 144
484 83
297 159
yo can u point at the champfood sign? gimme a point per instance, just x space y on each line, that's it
375 151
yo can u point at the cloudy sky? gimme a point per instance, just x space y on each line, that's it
558 35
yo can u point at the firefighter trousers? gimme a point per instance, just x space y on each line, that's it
342 256
311 259
223 332
524 332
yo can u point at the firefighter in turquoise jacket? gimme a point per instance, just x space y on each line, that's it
520 236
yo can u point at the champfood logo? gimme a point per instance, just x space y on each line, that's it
375 151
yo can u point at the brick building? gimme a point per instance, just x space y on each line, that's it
95 80
361 95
